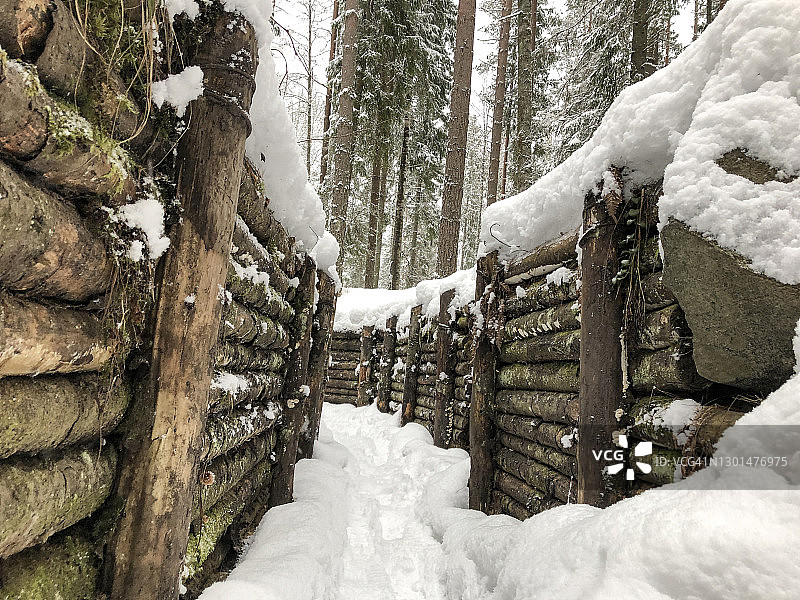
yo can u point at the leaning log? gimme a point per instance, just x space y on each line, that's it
55 142
550 376
412 366
548 406
563 463
37 339
53 412
563 345
66 566
64 490
553 435
537 475
532 499
559 318
551 253
45 247
160 466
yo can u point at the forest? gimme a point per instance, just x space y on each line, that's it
399 299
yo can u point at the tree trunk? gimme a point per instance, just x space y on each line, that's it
641 23
295 399
45 247
344 133
318 361
53 412
445 366
381 218
160 466
453 194
397 234
481 427
326 123
63 491
522 173
371 259
412 365
499 102
504 177
309 86
413 262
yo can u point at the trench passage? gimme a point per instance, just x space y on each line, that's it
357 528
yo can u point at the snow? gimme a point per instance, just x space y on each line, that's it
358 307
735 87
380 513
146 215
230 383
179 89
176 7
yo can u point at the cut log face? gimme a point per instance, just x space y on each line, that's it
51 412
45 247
560 318
64 491
38 339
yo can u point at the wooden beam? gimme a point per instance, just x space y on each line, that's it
162 453
365 367
412 366
445 367
387 364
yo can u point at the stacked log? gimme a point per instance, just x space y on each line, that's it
462 348
344 366
397 370
425 388
536 399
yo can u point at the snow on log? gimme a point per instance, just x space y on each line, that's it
542 294
237 357
53 412
562 345
260 296
553 253
247 248
671 369
549 376
64 490
234 389
227 431
36 339
537 475
45 246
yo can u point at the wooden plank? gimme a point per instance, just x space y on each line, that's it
445 367
412 366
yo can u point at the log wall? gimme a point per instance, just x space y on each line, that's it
76 324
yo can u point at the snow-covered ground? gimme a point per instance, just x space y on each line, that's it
379 514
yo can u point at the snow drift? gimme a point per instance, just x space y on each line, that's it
735 87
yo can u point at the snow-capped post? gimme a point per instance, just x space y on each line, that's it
602 305
318 362
296 389
412 367
162 452
484 364
445 371
365 367
387 364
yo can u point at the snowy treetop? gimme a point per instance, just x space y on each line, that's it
735 87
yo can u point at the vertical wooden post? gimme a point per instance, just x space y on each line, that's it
412 366
484 364
387 364
445 368
158 470
365 367
318 362
602 305
293 397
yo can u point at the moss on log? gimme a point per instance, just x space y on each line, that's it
46 248
550 376
55 142
656 293
225 471
540 295
25 26
260 296
64 490
537 475
36 339
227 431
463 368
426 401
339 398
565 317
248 251
663 466
529 497
531 428
564 345
217 520
236 357
671 370
663 329
54 412
700 434
501 503
244 325
342 384
66 567
423 414
256 387
548 406
563 463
